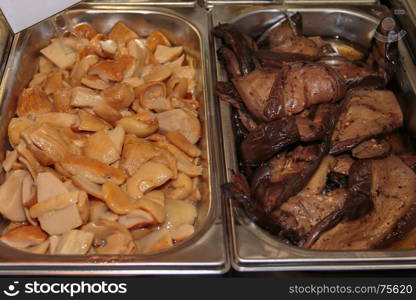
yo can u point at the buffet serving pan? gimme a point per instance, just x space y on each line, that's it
252 248
203 253
5 40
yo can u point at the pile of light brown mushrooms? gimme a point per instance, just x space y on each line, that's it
104 156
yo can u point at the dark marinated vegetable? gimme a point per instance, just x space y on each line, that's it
316 137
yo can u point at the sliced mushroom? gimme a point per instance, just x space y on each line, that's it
109 47
136 151
81 68
177 87
50 146
117 137
114 70
98 210
149 93
95 44
155 241
156 38
74 43
116 200
55 82
107 113
31 101
60 54
134 81
92 169
165 54
28 160
177 62
186 72
166 158
75 242
149 176
121 33
38 81
11 205
94 82
140 233
38 249
154 203
138 50
45 65
84 30
88 186
53 243
181 187
136 219
15 129
179 120
183 232
85 97
54 203
83 206
119 96
99 146
73 138
196 193
158 73
110 237
184 162
10 160
189 169
85 51
177 139
28 191
89 122
24 236
58 119
58 221
142 124
48 186
62 100
62 220
179 212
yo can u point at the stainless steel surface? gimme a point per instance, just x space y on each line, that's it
254 249
355 2
285 2
232 2
405 13
177 3
5 41
206 251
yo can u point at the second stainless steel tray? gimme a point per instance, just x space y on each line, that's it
254 249
206 251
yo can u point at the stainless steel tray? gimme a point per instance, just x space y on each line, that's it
5 41
206 251
176 3
405 13
254 249
209 3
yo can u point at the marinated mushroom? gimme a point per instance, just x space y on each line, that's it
104 156
142 124
149 176
179 120
11 204
74 242
110 237
24 236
